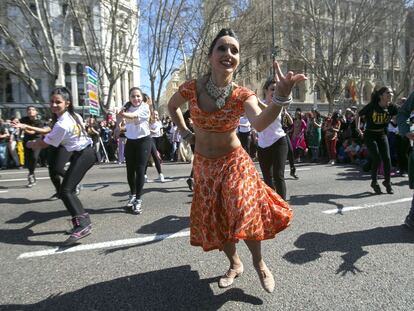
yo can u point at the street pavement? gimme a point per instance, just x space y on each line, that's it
346 248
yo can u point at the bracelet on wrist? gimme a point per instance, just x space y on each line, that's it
281 100
186 136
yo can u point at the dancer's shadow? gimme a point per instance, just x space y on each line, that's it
313 244
161 229
22 236
330 198
177 288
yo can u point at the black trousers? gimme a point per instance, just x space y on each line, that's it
57 157
154 154
30 158
272 162
378 148
402 144
136 155
290 155
80 163
245 140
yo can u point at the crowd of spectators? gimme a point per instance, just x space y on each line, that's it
107 138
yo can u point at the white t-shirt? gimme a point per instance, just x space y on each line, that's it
68 133
156 129
138 127
271 134
244 126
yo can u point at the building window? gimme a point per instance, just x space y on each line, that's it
365 57
39 87
318 92
81 84
377 57
77 36
296 92
64 9
33 8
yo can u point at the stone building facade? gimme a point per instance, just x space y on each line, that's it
71 54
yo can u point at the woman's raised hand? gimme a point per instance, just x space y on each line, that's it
284 84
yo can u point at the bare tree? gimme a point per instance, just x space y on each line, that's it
30 44
327 38
108 34
162 39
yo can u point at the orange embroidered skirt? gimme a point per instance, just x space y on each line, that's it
232 203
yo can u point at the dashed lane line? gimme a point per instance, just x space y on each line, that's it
108 244
22 179
368 205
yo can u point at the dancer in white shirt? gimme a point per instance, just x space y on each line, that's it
69 131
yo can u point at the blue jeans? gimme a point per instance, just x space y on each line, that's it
3 155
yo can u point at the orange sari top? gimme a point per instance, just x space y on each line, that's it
222 120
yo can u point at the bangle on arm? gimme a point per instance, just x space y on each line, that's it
188 135
281 100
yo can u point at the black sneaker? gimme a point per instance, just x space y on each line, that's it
409 222
54 197
82 228
293 173
388 187
190 184
137 207
78 189
376 187
31 181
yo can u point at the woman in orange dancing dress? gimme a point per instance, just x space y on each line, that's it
230 201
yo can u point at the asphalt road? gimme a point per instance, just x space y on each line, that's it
345 250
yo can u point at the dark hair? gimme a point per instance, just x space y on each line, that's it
375 96
223 32
269 81
31 106
129 104
67 96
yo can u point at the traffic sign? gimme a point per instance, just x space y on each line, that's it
91 91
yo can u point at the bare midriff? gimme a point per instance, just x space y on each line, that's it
214 144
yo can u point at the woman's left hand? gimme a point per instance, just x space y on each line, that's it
284 84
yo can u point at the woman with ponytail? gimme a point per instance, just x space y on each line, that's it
377 113
136 113
69 131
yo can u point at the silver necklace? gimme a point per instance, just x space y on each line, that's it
219 94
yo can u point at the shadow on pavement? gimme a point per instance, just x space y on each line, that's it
21 236
177 288
161 228
329 198
313 244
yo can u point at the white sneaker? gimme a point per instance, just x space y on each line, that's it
136 208
162 179
131 200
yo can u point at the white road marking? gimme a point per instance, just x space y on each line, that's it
23 171
4 191
22 179
85 247
368 205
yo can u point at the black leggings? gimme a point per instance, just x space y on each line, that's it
245 140
136 155
80 163
378 148
290 154
155 157
272 162
57 157
30 158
